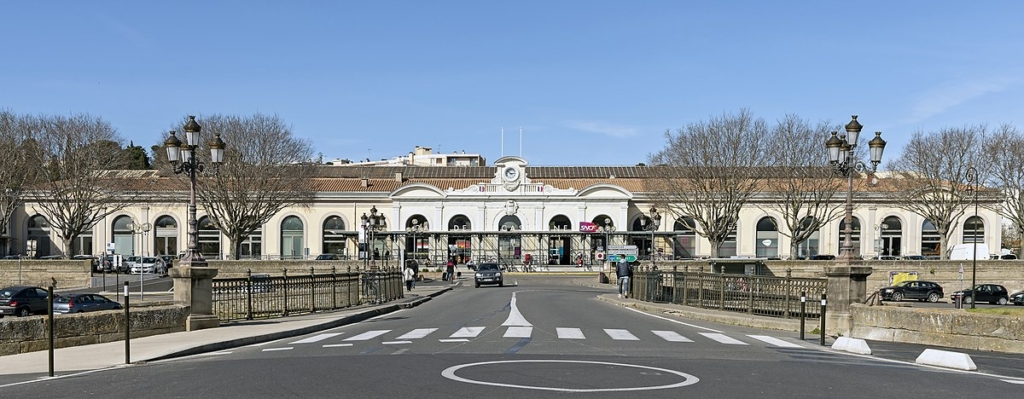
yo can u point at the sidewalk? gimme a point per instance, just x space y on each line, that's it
165 346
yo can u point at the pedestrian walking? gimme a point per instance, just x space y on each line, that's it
410 277
415 271
623 272
450 269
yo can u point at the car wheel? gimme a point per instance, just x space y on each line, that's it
501 284
477 285
897 296
968 299
23 312
933 297
1002 301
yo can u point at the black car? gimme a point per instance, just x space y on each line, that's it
1017 298
991 293
913 289
23 301
78 303
327 257
488 273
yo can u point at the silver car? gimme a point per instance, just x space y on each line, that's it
149 265
78 303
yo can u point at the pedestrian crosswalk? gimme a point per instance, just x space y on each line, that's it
468 334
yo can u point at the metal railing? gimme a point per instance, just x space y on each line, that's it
262 296
741 293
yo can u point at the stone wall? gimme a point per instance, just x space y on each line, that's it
239 268
954 328
68 273
945 272
28 334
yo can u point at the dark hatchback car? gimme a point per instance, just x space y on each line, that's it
914 289
1017 298
488 273
78 303
328 257
23 301
991 293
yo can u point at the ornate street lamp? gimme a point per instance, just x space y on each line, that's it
972 181
188 162
142 229
652 226
607 228
371 224
841 156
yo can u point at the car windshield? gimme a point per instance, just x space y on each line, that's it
62 299
488 267
148 260
901 284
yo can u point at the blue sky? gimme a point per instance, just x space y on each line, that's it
589 82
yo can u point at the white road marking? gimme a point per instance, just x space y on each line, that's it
674 321
267 343
467 332
418 333
400 351
214 354
395 342
514 317
620 335
1018 382
336 345
671 336
287 348
723 339
453 340
368 335
518 332
316 338
570 333
775 341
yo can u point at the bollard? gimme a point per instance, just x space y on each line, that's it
49 315
127 328
803 312
248 294
823 303
312 290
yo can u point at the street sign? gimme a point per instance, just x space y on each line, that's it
624 249
617 258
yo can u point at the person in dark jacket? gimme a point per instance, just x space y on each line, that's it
623 272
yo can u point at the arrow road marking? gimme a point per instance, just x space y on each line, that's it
514 317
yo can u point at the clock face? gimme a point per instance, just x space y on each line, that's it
511 173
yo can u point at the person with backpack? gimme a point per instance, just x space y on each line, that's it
450 269
623 271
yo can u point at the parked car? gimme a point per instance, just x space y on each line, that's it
1008 257
913 289
149 265
488 273
22 300
93 261
991 293
78 303
327 257
1017 298
168 260
914 257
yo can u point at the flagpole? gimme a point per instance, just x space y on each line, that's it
502 141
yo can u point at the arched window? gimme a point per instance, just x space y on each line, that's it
123 242
559 241
209 238
252 246
812 245
418 237
603 236
166 236
854 236
930 239
38 236
334 238
509 245
767 240
291 238
892 237
685 241
974 230
459 240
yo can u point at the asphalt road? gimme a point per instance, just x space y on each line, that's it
539 339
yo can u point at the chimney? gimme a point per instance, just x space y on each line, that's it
365 182
398 177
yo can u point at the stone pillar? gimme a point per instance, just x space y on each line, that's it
846 285
193 287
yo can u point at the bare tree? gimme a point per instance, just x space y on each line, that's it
265 170
80 181
933 173
709 171
16 172
1004 150
800 184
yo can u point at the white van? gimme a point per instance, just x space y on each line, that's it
965 252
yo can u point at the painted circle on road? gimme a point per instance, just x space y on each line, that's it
687 378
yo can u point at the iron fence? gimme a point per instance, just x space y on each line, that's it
741 293
262 296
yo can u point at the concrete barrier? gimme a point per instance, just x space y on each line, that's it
951 328
853 345
947 359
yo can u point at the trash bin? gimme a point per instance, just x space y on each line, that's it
958 300
602 278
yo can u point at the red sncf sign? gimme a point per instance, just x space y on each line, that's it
587 227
